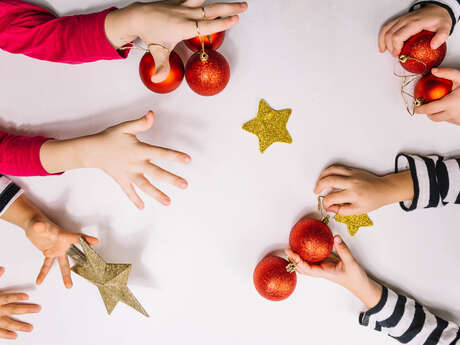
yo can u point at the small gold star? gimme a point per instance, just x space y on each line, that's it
269 126
110 279
354 222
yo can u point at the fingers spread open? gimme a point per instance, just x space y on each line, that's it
13 297
132 195
154 192
139 125
47 264
65 271
15 325
165 176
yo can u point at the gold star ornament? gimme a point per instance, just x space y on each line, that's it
354 222
269 126
110 279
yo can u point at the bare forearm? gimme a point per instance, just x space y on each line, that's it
369 292
21 213
399 187
120 25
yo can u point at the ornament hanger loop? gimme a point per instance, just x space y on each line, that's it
157 44
324 216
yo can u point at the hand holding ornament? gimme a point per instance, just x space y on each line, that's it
356 191
46 236
119 153
342 269
448 107
430 17
12 304
163 24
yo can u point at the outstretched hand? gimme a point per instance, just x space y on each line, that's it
12 304
163 24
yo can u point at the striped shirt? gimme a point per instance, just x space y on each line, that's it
408 322
436 180
9 192
452 6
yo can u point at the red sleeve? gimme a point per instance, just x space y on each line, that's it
36 32
20 155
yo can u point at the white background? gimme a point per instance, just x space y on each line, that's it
193 261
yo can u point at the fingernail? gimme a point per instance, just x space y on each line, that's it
183 185
187 159
24 297
338 239
166 201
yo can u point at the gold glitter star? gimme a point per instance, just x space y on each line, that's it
110 279
269 126
354 222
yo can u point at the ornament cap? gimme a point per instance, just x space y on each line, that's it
403 58
326 219
291 267
204 56
419 101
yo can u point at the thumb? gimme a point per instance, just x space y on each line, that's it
447 73
140 125
439 38
161 58
342 250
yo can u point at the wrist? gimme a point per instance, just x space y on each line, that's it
58 156
398 187
369 292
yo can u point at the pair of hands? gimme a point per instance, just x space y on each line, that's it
342 269
166 23
436 19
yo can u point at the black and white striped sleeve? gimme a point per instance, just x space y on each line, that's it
408 322
436 181
452 6
9 192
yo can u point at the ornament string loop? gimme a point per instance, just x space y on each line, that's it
324 216
408 79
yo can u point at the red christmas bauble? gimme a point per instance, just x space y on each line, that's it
431 88
207 73
417 49
272 280
212 41
172 82
311 239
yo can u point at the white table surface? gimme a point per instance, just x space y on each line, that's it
193 261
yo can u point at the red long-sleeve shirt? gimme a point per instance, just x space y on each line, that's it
36 32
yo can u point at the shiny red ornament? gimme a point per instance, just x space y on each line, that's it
311 239
207 73
272 280
431 88
417 49
212 41
172 82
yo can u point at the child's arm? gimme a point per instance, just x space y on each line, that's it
11 304
436 16
36 32
395 315
418 182
46 236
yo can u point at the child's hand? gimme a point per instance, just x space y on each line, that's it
10 304
119 153
54 242
341 269
163 24
447 108
430 17
355 191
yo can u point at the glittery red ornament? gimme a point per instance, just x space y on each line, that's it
431 88
212 41
272 280
207 73
417 49
172 82
311 239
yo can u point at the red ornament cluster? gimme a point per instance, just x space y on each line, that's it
275 278
207 71
418 57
